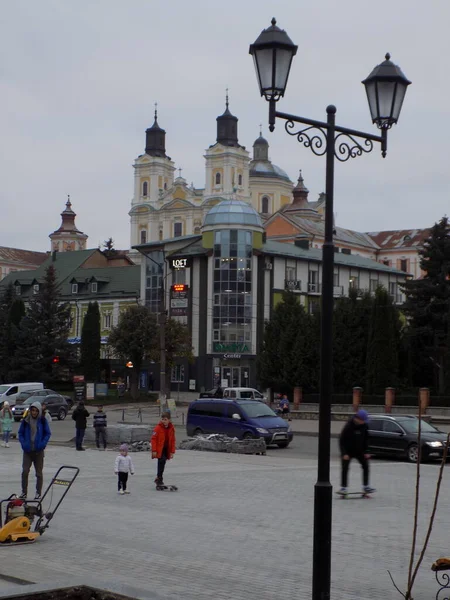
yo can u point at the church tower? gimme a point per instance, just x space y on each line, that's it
68 238
153 178
227 162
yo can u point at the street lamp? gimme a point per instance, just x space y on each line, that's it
386 85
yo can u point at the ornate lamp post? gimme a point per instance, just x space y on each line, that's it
386 85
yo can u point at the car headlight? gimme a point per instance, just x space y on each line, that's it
261 430
435 444
13 409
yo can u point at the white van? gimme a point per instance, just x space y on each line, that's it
10 391
243 394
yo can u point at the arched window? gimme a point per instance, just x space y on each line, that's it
143 236
197 230
265 205
165 186
239 179
145 188
160 234
217 178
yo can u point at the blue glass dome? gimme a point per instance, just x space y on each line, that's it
232 212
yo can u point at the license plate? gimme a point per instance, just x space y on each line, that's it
281 436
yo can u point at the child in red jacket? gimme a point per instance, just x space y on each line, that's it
163 444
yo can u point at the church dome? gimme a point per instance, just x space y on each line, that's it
264 168
232 212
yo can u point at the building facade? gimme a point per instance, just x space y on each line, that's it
224 282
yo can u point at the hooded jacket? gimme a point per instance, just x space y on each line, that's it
6 418
42 434
354 439
159 437
80 415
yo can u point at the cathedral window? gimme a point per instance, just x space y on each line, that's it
265 205
145 188
217 178
239 179
143 236
177 229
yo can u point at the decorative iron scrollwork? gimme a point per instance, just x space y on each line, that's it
345 145
317 142
443 579
351 148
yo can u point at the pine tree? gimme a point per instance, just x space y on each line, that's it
427 310
350 340
91 343
383 343
12 310
44 332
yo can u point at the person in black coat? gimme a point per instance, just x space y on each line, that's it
354 443
80 415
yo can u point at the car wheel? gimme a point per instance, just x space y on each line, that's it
61 414
197 432
247 436
283 444
412 454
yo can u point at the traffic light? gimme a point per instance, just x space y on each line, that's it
55 360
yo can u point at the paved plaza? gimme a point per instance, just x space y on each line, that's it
239 527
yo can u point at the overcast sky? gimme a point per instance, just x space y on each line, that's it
78 81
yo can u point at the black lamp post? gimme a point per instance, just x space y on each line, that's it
273 52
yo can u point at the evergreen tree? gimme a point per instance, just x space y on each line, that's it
42 348
12 310
427 310
90 343
135 339
350 340
287 356
383 343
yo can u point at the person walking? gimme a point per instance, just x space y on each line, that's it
6 421
100 427
34 434
122 467
163 444
80 415
354 443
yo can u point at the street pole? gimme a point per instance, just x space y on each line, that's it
323 488
162 344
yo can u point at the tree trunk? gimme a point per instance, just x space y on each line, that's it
134 381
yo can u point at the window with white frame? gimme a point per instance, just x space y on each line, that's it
18 290
353 282
74 288
392 288
313 280
94 287
336 277
107 320
177 375
373 283
290 273
143 236
35 288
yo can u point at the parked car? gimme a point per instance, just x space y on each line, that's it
243 393
56 406
42 393
397 435
10 391
243 419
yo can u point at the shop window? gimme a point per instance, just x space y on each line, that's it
177 375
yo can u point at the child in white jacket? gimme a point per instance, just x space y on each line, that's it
123 465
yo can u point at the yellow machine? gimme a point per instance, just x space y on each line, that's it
24 521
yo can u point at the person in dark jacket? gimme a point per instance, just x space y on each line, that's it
34 434
80 415
100 427
354 443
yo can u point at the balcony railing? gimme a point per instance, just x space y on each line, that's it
293 285
338 290
314 288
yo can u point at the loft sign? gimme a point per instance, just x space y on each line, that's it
179 263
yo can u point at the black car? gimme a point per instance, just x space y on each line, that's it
56 406
397 435
42 393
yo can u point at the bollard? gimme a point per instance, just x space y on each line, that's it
357 397
424 399
123 415
389 399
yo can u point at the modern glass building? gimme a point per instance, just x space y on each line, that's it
224 282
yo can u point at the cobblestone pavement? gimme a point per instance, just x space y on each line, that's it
239 527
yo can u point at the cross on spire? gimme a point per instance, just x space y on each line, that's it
179 172
260 130
226 97
156 110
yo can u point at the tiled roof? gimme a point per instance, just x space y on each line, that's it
22 257
401 238
315 254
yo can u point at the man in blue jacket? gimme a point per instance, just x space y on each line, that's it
34 434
